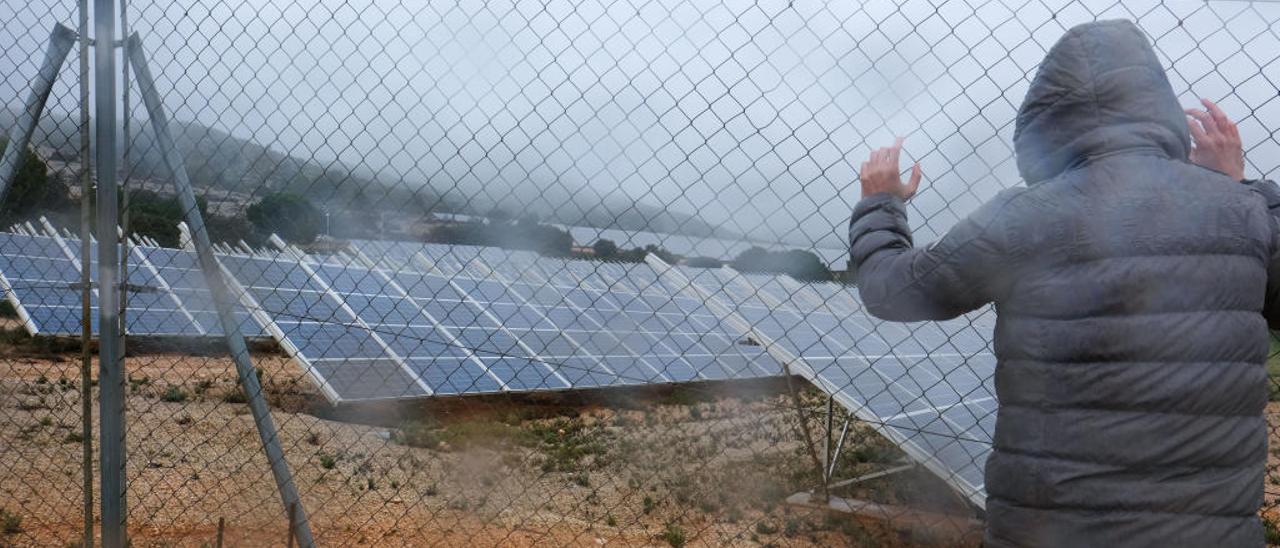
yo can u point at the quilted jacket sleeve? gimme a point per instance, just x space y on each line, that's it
958 273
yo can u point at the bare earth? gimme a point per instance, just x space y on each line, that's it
699 467
690 468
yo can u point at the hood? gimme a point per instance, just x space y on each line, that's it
1100 90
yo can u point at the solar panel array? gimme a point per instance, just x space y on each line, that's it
926 386
395 320
167 292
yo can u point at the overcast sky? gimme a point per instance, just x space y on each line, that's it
751 114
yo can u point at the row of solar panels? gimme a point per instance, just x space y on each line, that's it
391 320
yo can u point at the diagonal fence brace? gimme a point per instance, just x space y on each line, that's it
300 528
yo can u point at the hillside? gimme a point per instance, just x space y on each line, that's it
234 168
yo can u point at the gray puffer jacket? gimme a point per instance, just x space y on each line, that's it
1133 291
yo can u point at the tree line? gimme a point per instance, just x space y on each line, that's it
34 193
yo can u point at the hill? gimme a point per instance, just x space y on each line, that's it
230 169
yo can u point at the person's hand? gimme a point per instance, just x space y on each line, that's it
880 173
1216 140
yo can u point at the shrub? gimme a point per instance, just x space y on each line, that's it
32 192
10 523
235 395
674 535
604 249
703 262
174 394
526 234
7 310
801 265
290 216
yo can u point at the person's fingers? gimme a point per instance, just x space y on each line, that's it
1205 119
1219 117
895 152
914 183
1197 131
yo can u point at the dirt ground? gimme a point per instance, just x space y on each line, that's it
691 466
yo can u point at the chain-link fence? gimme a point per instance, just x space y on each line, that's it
518 273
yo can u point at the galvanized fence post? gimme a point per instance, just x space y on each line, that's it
111 390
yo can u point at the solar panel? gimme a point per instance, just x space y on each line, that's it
152 309
434 355
42 283
342 354
167 294
691 330
571 324
179 271
926 386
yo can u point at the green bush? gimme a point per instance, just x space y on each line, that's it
174 394
604 249
290 216
674 535
33 192
10 523
801 265
526 234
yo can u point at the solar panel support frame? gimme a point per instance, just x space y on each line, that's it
61 39
860 410
23 315
164 286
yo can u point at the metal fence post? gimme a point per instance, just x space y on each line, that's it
111 394
86 311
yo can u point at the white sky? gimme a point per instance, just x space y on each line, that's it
750 113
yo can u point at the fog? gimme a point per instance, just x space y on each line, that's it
752 115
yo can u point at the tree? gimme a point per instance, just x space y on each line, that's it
703 262
526 234
32 192
153 215
801 265
287 215
604 249
498 215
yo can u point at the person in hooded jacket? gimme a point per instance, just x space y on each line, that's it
1133 277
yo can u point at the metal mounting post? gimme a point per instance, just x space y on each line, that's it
60 41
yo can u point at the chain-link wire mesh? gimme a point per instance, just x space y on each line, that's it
517 273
